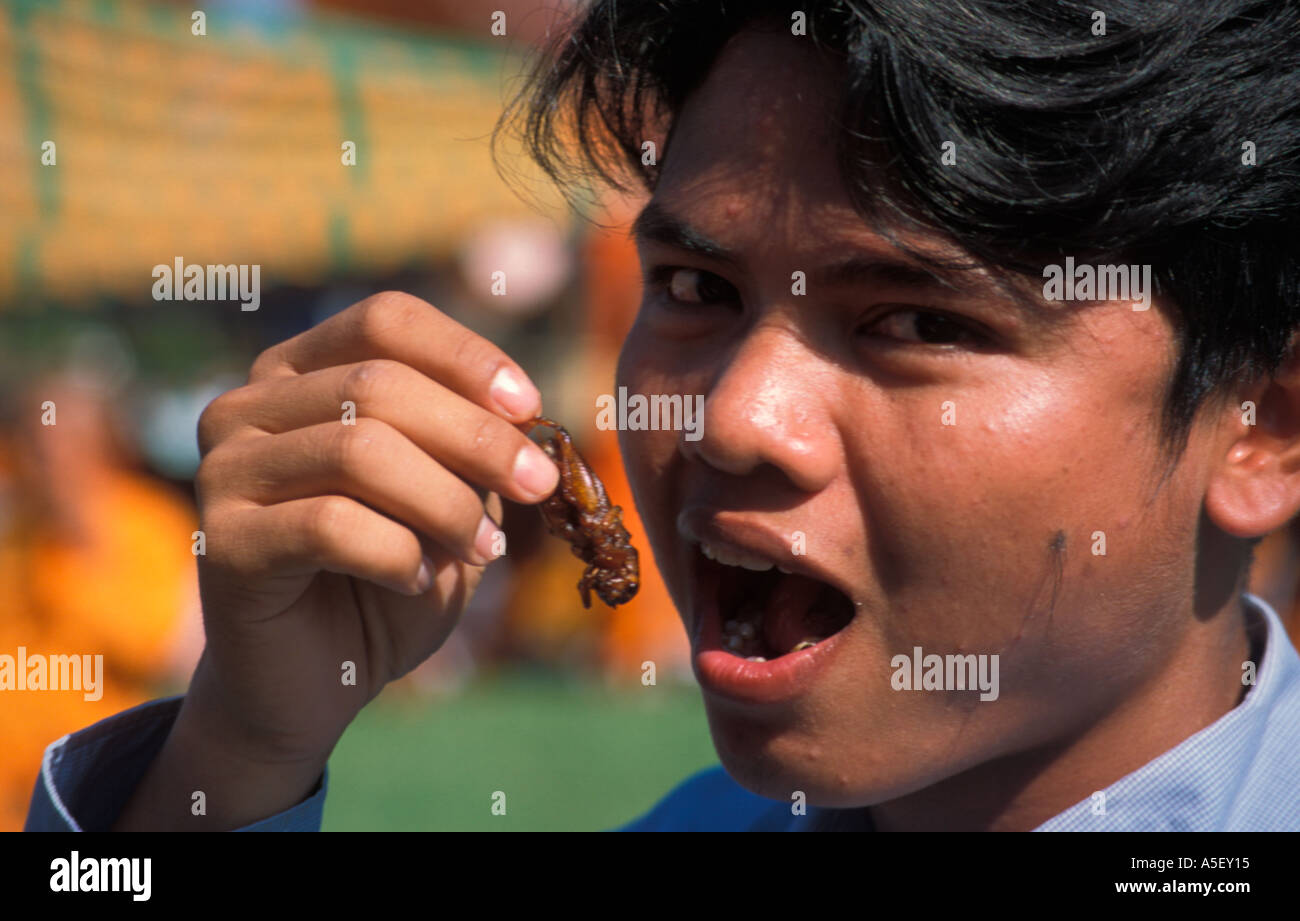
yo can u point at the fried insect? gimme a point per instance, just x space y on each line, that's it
579 512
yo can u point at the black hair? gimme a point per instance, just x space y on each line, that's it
1130 142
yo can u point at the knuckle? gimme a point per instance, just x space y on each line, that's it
328 519
211 475
265 365
386 315
487 438
212 422
353 446
366 381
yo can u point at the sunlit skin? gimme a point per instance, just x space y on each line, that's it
824 414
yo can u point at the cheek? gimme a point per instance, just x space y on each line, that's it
645 452
648 455
1005 509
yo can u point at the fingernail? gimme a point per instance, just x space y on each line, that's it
486 538
534 471
515 393
424 578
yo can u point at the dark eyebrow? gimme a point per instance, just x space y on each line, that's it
859 270
656 224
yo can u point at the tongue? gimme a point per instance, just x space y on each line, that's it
788 618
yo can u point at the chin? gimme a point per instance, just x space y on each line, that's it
774 761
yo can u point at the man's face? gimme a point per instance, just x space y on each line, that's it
948 458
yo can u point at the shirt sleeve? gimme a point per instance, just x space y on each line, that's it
87 777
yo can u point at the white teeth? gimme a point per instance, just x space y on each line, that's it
729 557
755 659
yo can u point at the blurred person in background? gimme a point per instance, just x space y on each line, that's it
95 559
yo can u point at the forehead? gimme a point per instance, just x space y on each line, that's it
752 163
756 136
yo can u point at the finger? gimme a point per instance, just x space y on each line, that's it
322 533
370 462
406 329
476 444
492 505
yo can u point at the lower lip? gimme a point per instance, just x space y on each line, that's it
775 681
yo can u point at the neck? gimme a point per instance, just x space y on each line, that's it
1199 684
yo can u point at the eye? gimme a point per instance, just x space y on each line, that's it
925 327
692 286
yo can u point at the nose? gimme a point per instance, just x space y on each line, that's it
770 404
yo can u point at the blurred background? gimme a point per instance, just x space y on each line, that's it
127 141
342 146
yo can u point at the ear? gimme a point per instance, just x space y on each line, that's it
1256 487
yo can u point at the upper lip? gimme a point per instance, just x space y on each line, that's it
756 537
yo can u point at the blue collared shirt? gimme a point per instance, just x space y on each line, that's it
1238 774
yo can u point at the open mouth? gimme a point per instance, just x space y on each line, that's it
769 613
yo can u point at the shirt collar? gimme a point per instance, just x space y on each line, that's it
1204 783
1208 782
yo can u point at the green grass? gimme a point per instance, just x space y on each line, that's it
568 755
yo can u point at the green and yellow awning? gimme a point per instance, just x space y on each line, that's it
228 147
